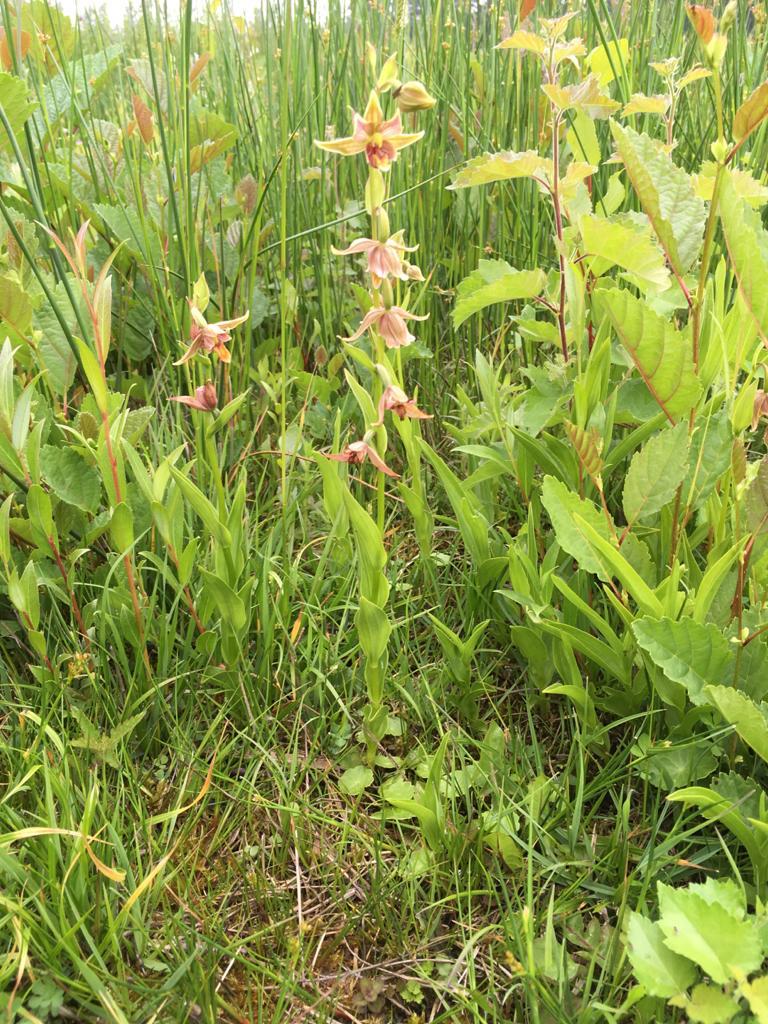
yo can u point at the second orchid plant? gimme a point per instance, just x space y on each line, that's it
386 324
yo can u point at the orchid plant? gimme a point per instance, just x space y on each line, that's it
385 324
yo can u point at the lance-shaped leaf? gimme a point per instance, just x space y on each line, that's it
502 167
627 244
687 652
747 243
655 473
666 194
751 113
750 720
586 96
661 354
495 281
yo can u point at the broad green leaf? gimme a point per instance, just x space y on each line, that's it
756 994
625 243
666 194
230 606
660 971
751 113
661 354
616 564
356 780
56 355
747 243
746 187
707 1004
655 473
750 720
709 458
582 138
524 40
562 506
16 104
126 227
688 652
502 167
710 936
495 281
586 96
756 500
607 61
70 477
204 508
372 555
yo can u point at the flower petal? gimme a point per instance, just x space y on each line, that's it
379 463
344 147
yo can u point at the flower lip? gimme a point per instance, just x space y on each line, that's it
390 323
204 399
209 337
358 452
395 400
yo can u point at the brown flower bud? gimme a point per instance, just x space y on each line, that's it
413 96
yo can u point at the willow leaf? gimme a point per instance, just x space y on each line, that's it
747 243
687 652
661 354
495 281
667 196
502 167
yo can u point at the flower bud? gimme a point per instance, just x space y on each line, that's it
703 21
728 18
413 96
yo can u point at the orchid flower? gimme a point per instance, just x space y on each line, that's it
357 452
380 140
390 323
205 398
384 258
394 399
205 337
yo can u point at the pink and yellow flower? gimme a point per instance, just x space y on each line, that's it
205 398
357 452
384 258
394 399
205 337
380 140
391 323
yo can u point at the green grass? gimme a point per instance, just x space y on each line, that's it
202 862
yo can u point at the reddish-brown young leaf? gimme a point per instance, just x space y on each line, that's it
144 118
526 8
6 49
751 113
198 67
703 21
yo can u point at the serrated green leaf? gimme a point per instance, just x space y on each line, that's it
655 473
356 780
750 720
747 243
495 281
688 652
661 972
562 506
707 1004
17 105
666 194
623 242
502 167
70 477
710 936
661 354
